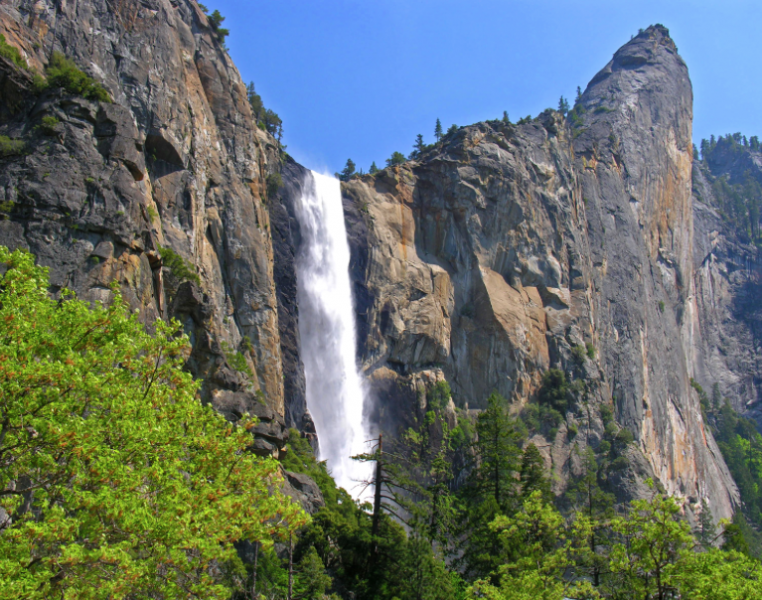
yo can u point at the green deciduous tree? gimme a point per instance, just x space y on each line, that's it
654 539
535 555
115 481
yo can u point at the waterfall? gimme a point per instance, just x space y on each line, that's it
335 390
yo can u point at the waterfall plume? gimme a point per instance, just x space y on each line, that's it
335 390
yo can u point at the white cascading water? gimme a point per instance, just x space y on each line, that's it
335 390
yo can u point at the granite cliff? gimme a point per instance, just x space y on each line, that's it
174 162
499 253
505 249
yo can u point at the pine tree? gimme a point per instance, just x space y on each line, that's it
563 106
506 120
215 20
579 95
454 128
532 476
707 533
373 168
397 158
348 171
418 147
255 101
492 488
438 130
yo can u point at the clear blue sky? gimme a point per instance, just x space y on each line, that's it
360 78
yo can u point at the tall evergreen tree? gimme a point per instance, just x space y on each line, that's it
506 120
348 170
492 488
418 147
373 168
438 130
532 475
255 101
563 106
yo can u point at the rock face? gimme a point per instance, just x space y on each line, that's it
728 280
505 248
174 162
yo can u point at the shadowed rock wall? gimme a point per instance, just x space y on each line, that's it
174 162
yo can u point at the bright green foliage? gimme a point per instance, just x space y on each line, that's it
48 124
536 551
11 147
11 53
646 554
397 158
62 72
717 575
301 459
654 539
179 268
119 482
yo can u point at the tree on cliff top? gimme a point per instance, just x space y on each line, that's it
348 171
115 481
397 158
438 130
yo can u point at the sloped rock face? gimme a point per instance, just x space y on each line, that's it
634 154
489 259
174 162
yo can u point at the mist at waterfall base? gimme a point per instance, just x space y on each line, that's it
335 390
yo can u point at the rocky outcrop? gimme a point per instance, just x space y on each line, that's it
506 248
634 154
174 162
